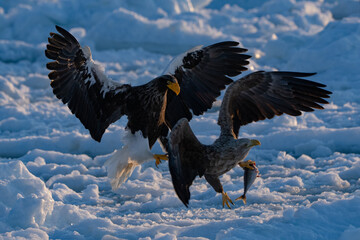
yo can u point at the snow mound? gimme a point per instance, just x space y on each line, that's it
25 200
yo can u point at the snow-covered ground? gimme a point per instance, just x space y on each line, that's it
52 180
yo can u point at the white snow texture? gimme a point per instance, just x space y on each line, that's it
53 182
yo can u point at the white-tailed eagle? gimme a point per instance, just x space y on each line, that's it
258 96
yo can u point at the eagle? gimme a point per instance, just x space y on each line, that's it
255 97
189 86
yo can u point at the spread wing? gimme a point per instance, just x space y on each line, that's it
186 159
202 73
96 100
262 95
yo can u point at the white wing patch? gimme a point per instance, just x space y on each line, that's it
90 65
178 61
99 71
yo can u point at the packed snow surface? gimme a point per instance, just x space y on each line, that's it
53 184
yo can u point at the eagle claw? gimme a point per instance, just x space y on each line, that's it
248 164
159 157
226 200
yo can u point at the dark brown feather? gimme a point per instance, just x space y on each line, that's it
186 159
262 95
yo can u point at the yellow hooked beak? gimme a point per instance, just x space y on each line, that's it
174 86
254 142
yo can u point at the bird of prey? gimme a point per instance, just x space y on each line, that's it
257 96
188 86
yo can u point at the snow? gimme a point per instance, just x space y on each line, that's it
53 183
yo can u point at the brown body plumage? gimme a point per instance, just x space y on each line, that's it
254 97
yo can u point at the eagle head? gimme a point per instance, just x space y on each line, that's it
168 82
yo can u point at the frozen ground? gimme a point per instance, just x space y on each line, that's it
53 184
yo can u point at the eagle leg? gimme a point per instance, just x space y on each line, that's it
248 164
159 157
214 181
226 199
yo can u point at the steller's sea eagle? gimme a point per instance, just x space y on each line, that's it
255 97
194 78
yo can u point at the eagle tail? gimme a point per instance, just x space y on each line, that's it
119 167
122 163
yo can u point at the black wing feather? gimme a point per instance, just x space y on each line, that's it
262 95
78 82
202 74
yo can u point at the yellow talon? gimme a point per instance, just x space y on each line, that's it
242 197
159 157
226 200
248 164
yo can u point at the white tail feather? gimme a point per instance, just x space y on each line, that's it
119 167
123 162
